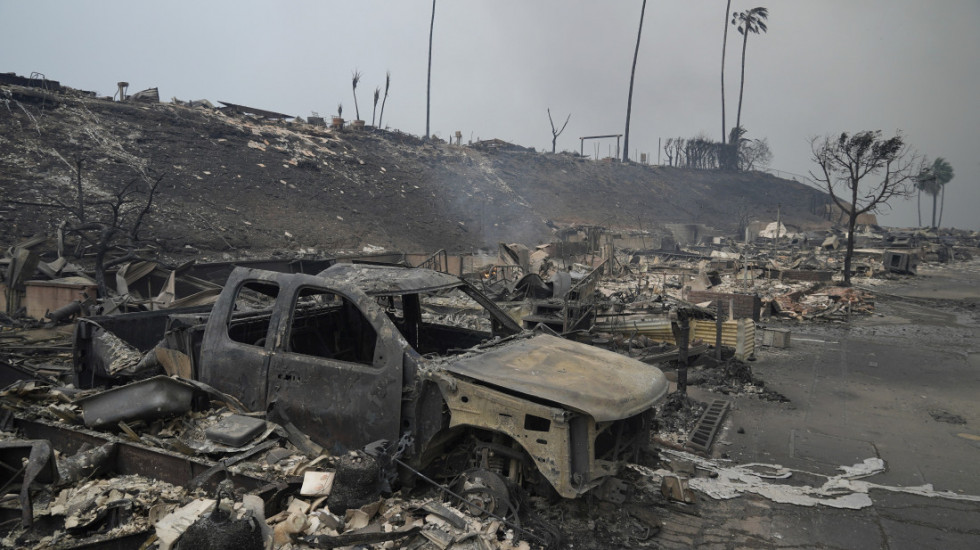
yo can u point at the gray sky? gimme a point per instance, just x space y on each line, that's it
824 67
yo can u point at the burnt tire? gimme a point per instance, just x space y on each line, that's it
357 482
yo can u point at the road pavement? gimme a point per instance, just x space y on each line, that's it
902 386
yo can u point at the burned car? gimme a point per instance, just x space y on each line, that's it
362 353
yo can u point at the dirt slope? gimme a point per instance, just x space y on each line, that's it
236 183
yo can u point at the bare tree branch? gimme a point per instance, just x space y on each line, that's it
849 161
556 133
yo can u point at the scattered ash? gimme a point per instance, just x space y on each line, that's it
940 415
588 523
733 377
679 413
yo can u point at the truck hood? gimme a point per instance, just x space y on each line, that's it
603 384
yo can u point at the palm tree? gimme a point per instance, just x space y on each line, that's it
724 44
918 203
428 84
924 181
932 180
384 99
355 77
629 101
377 96
751 21
943 172
731 151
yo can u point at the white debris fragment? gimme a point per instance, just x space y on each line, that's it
172 526
317 483
844 490
869 467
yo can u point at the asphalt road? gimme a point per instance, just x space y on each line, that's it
902 386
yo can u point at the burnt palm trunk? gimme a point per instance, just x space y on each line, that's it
428 84
724 45
918 205
381 117
629 100
741 85
942 203
851 224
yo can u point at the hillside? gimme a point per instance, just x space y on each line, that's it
240 184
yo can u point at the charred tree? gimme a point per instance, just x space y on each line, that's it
384 99
428 81
355 78
847 163
556 133
629 100
724 45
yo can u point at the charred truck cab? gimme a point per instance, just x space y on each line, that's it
361 353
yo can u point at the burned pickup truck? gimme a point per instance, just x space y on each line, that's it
361 353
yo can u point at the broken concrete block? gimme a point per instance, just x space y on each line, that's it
356 519
297 506
676 488
317 484
283 532
776 337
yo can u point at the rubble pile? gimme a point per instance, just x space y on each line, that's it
732 377
344 503
676 416
829 303
97 510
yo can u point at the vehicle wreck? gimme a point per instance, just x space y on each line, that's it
361 353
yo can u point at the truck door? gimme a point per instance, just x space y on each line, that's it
337 373
239 338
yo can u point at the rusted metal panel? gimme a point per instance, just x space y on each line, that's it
131 458
44 296
149 95
606 385
377 280
339 402
218 272
253 111
550 446
236 366
142 330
